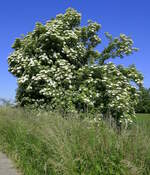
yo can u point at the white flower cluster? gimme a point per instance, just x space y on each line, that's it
109 89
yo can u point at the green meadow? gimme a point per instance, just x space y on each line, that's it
45 143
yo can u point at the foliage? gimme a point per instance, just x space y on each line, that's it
55 67
143 105
49 144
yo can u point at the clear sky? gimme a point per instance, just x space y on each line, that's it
131 17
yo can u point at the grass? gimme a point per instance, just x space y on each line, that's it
48 144
143 121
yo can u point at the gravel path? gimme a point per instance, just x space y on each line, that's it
6 166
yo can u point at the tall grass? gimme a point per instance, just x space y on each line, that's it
47 144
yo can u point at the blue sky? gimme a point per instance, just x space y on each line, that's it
131 17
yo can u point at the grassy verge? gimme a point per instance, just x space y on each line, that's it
47 144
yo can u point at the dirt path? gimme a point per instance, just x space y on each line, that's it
6 166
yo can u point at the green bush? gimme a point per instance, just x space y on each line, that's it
57 66
143 105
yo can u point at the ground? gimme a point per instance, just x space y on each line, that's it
6 166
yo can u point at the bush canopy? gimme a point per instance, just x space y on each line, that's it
57 66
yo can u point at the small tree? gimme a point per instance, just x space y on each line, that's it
57 66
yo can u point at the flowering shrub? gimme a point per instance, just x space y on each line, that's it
55 67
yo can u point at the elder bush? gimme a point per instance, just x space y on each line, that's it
56 65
